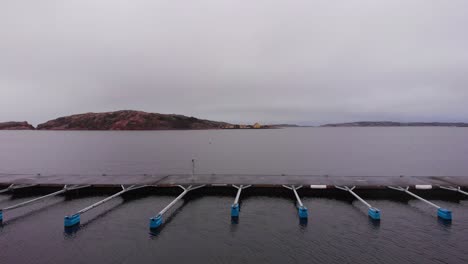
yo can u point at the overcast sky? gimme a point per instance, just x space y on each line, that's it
306 62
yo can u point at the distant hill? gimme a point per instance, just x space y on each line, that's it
396 124
129 120
12 125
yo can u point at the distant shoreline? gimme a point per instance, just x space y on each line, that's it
228 129
130 120
397 124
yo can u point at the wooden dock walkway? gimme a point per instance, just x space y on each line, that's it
189 182
165 180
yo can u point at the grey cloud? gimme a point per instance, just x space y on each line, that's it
242 61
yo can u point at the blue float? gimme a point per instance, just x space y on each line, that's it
444 214
1 216
374 213
156 222
441 212
302 211
235 210
72 220
235 207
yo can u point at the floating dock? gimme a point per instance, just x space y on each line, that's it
258 180
353 185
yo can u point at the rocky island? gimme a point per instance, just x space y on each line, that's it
396 124
12 125
129 120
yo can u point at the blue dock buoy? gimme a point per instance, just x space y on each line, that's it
72 220
444 214
374 213
302 211
156 222
235 210
1 216
235 207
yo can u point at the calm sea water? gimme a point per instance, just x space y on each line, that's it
333 151
199 229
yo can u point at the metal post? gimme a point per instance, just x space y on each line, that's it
21 186
33 200
301 209
297 196
164 210
450 188
193 168
74 219
441 212
157 220
235 207
7 189
14 187
373 212
65 189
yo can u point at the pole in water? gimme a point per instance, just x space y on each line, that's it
157 220
441 212
14 187
72 220
450 188
235 207
7 189
63 190
301 209
372 212
193 167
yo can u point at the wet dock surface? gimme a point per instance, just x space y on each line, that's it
369 182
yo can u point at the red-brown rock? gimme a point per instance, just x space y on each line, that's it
129 120
16 126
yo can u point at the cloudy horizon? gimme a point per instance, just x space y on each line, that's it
303 62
